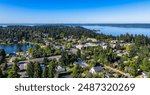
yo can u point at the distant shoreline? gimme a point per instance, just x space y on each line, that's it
125 25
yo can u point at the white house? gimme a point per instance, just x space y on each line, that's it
113 45
94 70
60 69
119 54
92 39
104 47
22 67
79 46
114 41
90 45
145 74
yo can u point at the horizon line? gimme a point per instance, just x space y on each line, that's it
81 23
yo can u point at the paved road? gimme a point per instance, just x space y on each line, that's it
118 71
40 60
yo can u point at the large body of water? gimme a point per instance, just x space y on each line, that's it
115 31
11 48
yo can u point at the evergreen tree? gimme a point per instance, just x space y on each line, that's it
2 55
15 67
30 69
1 73
76 72
64 58
4 69
13 73
79 53
149 74
132 50
37 70
51 69
45 73
145 66
45 60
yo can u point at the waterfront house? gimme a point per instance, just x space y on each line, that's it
15 40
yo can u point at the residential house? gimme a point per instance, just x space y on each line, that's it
145 74
104 47
15 40
81 63
48 43
113 41
79 46
96 69
108 75
22 67
60 69
92 39
90 45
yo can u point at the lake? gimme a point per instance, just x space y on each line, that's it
11 48
115 31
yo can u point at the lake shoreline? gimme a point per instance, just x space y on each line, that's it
13 47
117 31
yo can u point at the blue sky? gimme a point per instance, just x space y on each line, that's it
74 11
